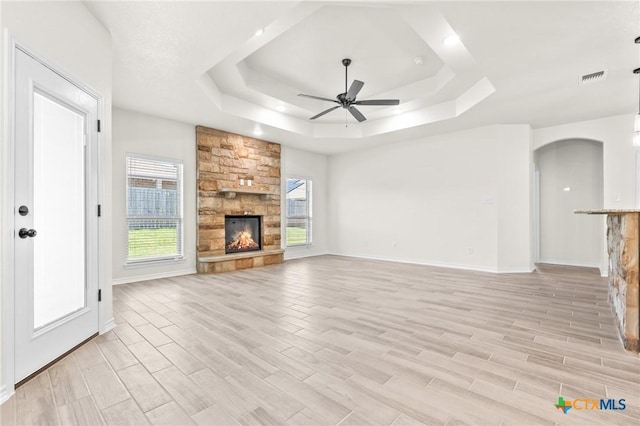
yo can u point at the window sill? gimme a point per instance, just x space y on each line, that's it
308 245
153 262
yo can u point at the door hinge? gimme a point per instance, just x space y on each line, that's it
98 126
100 295
99 210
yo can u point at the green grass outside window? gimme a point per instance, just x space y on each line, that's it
296 236
152 242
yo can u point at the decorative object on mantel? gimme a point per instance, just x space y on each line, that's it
636 122
623 247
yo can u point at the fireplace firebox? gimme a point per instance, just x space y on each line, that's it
242 233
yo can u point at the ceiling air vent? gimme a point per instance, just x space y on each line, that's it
594 77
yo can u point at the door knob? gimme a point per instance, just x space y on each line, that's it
24 233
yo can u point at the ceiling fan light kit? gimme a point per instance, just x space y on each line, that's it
347 99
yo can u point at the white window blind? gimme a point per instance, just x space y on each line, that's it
154 209
298 212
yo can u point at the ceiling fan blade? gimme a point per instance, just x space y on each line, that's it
326 111
354 90
357 114
378 102
318 98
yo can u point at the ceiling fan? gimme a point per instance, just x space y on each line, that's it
347 100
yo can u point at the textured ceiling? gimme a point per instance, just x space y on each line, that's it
517 62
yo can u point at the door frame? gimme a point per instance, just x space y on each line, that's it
7 290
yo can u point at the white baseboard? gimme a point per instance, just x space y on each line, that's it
155 276
515 270
5 394
566 263
108 326
298 253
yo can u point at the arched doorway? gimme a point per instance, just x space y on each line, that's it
568 176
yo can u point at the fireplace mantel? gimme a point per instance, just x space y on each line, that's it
232 192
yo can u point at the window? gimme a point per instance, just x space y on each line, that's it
154 209
298 212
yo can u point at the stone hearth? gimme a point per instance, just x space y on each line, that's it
224 161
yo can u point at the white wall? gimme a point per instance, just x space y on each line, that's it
5 293
567 238
68 37
514 170
303 164
456 200
139 133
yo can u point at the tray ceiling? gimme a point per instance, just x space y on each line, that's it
516 62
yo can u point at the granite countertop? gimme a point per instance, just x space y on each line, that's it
606 211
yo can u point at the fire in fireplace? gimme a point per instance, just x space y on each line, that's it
242 233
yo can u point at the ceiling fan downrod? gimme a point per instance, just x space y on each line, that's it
346 62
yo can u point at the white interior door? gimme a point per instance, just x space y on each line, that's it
56 276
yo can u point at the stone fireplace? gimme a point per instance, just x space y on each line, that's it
238 201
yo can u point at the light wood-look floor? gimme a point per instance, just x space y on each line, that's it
333 340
